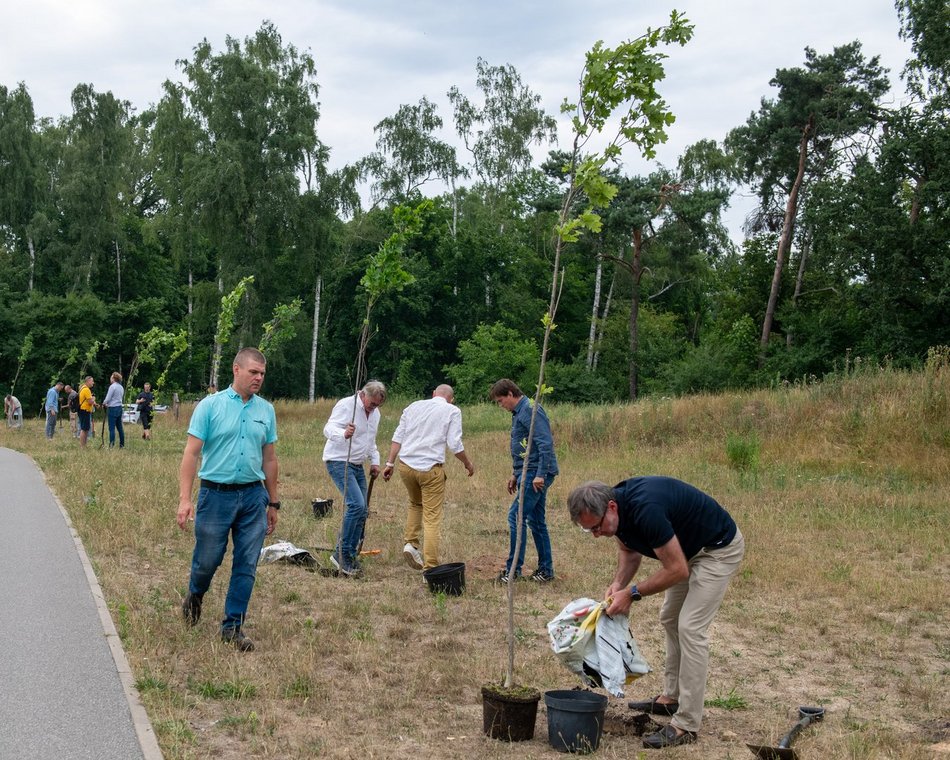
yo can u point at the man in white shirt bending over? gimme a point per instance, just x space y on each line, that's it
425 430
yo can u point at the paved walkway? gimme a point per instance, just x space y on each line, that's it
66 690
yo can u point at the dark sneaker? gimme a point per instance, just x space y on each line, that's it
350 569
540 576
236 637
191 608
667 737
503 577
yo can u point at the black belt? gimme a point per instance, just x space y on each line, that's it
228 486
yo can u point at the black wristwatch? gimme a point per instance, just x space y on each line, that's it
635 594
274 505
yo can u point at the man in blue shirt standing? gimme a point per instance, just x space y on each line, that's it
234 433
52 408
540 474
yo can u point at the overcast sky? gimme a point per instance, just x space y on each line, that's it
372 55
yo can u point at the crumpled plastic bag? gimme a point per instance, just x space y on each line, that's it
597 647
284 551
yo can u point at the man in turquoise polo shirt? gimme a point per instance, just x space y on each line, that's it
234 433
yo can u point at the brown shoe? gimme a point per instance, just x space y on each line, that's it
667 737
236 637
654 707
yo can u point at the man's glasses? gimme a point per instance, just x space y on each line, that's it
595 528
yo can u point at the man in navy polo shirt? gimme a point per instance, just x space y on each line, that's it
699 548
234 433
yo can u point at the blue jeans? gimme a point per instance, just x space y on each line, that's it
533 518
243 515
50 424
115 422
354 516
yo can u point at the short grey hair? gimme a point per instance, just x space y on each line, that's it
590 497
375 389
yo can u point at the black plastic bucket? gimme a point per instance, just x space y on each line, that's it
575 720
448 578
322 507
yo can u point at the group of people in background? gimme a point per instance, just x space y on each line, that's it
696 542
80 406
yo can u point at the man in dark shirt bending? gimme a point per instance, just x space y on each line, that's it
699 548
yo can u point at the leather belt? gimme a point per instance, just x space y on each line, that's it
228 486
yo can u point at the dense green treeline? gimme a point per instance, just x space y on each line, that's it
114 222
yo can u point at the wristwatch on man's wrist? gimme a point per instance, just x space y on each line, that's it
635 594
274 504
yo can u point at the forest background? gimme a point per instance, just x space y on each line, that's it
122 234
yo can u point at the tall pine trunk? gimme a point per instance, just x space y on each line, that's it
317 292
785 241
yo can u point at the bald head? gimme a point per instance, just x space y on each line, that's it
445 391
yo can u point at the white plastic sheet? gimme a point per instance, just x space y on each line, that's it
284 551
598 648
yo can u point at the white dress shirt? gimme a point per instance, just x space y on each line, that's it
425 429
364 437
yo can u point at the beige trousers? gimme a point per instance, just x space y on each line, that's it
426 502
688 609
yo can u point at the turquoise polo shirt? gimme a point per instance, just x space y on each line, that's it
233 434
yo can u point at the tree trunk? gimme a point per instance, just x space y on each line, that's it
593 314
317 289
216 355
806 246
603 318
637 271
29 245
118 270
785 241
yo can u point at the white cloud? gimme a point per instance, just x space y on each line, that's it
374 55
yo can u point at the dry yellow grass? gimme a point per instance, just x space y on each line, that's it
842 600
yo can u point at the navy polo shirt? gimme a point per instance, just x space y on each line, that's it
652 509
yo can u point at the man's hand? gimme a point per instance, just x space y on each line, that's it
272 515
471 469
349 430
374 470
618 599
538 484
186 511
512 484
387 472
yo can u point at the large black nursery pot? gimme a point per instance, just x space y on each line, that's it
575 720
322 507
510 714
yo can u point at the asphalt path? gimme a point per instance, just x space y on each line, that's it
66 690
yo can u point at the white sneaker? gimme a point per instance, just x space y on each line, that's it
412 555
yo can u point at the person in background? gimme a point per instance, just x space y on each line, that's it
72 407
426 428
233 433
351 441
13 411
87 405
51 407
144 403
540 474
699 548
114 409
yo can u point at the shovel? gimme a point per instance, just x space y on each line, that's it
784 751
369 493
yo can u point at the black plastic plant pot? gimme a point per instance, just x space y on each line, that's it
510 714
322 507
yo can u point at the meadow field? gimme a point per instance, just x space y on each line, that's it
840 487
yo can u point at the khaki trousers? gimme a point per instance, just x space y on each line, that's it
688 609
426 501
